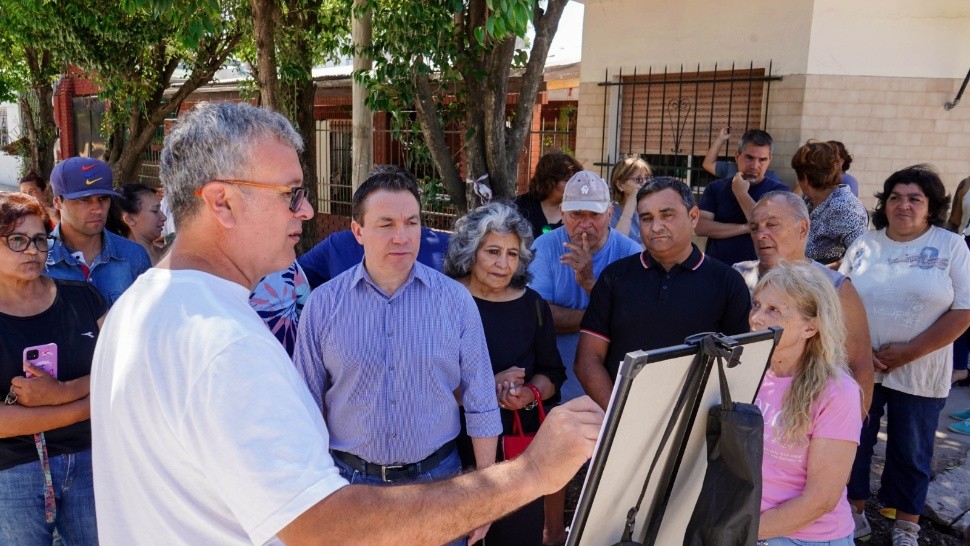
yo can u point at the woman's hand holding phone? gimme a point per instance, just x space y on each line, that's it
40 388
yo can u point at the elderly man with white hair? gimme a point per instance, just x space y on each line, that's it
780 227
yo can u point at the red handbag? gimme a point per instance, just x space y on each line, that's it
514 444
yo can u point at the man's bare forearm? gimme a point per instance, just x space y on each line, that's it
566 319
590 370
438 512
433 513
858 347
712 229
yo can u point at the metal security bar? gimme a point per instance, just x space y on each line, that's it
671 118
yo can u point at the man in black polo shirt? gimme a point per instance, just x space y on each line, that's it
658 297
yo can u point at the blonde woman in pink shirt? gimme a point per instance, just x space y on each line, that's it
812 411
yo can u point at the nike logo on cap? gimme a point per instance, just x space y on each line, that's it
87 168
89 182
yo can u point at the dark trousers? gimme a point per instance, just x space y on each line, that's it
910 431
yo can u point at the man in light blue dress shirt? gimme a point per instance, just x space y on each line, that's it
386 346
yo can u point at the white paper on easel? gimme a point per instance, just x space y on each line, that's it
641 423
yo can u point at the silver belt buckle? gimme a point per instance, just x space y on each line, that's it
392 468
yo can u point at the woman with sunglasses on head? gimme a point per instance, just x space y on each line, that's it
45 435
628 177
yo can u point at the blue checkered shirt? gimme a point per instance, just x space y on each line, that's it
384 369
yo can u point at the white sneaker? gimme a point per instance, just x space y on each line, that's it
905 534
863 532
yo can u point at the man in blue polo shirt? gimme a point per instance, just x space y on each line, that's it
83 249
726 203
659 297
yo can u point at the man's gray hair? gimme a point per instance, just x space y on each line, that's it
216 140
792 200
756 137
470 232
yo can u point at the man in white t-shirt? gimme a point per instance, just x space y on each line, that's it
203 432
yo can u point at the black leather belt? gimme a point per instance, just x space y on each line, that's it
395 472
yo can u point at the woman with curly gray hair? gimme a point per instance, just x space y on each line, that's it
489 253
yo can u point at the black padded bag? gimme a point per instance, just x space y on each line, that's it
728 509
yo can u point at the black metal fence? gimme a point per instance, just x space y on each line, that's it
671 118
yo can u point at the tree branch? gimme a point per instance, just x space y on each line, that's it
496 96
434 136
546 23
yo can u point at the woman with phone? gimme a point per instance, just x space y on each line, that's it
48 331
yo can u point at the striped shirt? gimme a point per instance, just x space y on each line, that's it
384 369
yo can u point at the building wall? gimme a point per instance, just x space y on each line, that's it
886 123
628 33
924 39
874 74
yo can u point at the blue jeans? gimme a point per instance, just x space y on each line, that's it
785 541
22 520
449 467
910 431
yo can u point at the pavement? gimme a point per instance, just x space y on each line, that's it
948 500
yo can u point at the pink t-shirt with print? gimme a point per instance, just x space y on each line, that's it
836 415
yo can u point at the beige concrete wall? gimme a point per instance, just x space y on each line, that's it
628 33
924 38
589 126
886 124
785 111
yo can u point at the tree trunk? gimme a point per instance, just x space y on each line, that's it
46 129
546 23
306 125
41 129
27 117
302 25
499 64
125 168
434 136
144 122
265 15
362 140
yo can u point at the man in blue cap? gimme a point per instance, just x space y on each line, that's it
83 249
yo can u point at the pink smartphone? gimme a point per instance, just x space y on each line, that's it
42 356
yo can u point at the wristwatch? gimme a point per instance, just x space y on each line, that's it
535 397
